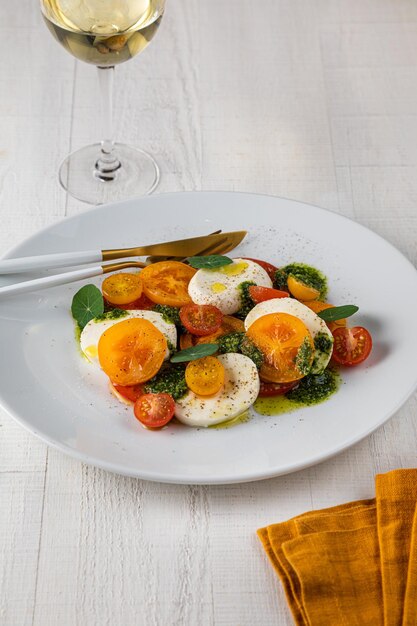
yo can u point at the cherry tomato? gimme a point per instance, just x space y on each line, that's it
141 304
205 376
131 393
260 294
166 282
154 410
268 390
122 288
351 345
201 319
282 339
300 291
229 325
268 267
131 351
187 340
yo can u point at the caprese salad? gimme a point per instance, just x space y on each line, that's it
204 340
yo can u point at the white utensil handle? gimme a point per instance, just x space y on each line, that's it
48 261
49 281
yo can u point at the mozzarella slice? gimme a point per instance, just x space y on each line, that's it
317 327
239 392
221 287
92 332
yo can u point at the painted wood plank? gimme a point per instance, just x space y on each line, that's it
315 101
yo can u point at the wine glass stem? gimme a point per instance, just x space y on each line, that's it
107 163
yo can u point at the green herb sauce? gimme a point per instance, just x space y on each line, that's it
306 274
171 347
240 343
113 314
170 379
247 303
230 342
170 314
323 346
280 280
248 348
304 357
313 389
323 343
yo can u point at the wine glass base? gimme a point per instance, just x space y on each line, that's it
137 176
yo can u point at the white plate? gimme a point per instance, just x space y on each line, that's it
52 391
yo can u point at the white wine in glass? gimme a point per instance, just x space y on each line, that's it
105 33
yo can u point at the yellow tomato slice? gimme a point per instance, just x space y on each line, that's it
131 351
205 376
166 282
122 288
286 344
301 291
317 306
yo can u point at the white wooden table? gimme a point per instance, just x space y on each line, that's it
310 99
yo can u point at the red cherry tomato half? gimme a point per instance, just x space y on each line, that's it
131 393
141 304
268 267
351 345
154 410
201 319
268 390
260 294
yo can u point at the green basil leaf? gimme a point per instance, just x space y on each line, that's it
195 352
87 304
210 262
338 312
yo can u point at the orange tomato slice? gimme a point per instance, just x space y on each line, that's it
122 288
131 351
301 291
286 344
205 376
166 282
317 306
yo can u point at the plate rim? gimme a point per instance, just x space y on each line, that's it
184 479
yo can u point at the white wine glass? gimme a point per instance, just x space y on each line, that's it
105 33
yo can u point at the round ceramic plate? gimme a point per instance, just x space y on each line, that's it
50 389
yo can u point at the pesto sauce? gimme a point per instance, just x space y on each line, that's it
113 314
246 302
323 347
230 342
306 274
170 314
304 356
240 343
313 389
170 379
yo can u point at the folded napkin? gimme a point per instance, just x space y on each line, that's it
353 564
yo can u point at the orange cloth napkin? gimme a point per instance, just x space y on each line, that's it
353 564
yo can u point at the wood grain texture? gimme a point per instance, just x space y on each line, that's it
310 99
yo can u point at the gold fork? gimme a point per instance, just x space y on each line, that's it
181 247
213 244
220 247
